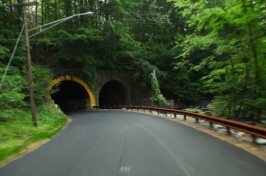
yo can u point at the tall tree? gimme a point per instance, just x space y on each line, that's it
232 36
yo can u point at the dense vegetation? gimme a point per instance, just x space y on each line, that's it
201 50
18 133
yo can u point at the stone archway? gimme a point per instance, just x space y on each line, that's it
76 80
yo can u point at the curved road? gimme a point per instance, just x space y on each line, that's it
118 143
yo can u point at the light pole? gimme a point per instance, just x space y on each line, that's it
47 26
29 69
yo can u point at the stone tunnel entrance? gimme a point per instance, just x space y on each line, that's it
71 94
113 93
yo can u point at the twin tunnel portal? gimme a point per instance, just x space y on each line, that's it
71 93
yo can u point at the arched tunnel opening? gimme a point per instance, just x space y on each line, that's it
70 96
113 93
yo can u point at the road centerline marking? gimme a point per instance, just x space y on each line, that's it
125 169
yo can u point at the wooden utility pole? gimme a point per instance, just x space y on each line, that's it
29 69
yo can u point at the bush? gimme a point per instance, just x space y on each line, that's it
157 98
196 110
42 77
18 132
12 93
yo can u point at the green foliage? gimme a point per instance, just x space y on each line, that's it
116 37
157 98
3 50
42 77
196 110
12 92
220 106
17 133
198 48
231 36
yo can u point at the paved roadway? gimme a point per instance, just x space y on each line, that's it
118 143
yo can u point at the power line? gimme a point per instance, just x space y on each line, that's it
11 58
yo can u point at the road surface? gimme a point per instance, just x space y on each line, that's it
119 143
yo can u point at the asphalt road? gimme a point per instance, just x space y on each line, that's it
121 143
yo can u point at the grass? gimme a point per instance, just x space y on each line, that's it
194 110
17 131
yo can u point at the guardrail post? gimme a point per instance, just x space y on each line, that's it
228 131
211 125
197 120
254 139
185 117
174 115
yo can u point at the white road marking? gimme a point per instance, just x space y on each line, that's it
125 169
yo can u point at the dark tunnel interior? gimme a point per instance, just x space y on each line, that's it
70 96
112 93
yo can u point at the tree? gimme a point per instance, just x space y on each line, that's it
231 35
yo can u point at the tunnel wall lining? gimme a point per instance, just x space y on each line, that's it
75 79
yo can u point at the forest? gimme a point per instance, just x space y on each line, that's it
202 51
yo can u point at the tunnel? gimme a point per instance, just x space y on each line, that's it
113 93
70 96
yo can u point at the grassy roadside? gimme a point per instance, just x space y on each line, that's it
18 133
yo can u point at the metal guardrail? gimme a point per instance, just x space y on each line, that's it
253 130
